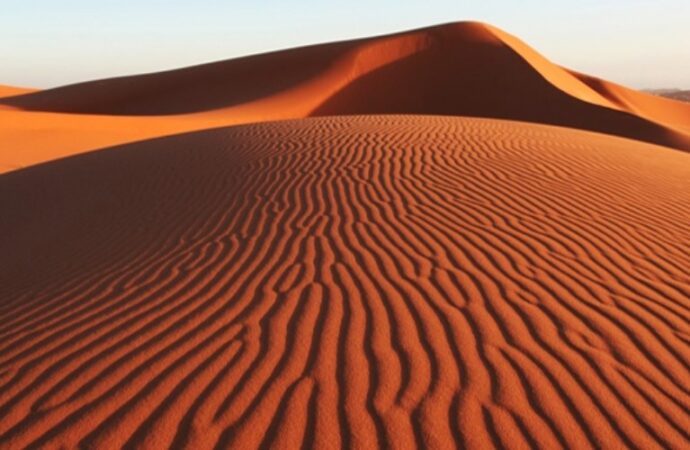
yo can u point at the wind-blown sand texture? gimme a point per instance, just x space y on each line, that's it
350 281
361 281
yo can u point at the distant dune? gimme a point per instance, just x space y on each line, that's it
194 260
667 111
11 91
349 282
683 96
467 69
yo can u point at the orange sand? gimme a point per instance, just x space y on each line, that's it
10 91
362 281
467 69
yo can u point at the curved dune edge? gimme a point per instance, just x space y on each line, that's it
672 113
459 69
349 282
345 61
30 138
11 91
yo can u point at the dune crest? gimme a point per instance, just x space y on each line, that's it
459 69
349 282
672 113
12 91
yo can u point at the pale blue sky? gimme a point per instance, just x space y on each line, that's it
641 43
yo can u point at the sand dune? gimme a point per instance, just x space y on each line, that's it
11 91
395 274
349 282
672 113
29 138
467 69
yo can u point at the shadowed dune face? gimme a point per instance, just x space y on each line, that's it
672 113
352 282
201 88
486 79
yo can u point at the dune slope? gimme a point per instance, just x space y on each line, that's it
467 69
670 112
349 282
12 91
33 137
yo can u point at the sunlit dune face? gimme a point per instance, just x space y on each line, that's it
360 282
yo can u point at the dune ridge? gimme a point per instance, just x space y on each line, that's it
349 282
466 69
12 91
672 113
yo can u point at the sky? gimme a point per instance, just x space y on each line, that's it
46 43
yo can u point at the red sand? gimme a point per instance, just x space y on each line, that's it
347 282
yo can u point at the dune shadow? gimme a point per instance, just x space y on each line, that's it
431 82
193 89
